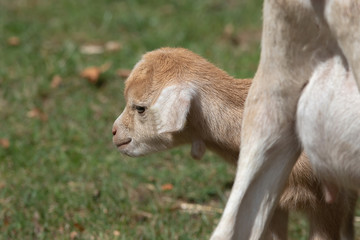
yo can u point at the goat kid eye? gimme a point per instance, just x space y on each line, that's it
140 109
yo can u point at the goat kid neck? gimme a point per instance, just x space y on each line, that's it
215 116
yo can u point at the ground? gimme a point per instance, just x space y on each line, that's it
62 67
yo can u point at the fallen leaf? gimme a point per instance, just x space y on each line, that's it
106 66
5 201
73 235
228 30
55 82
37 113
105 210
247 38
167 187
5 143
96 194
92 74
61 230
91 49
167 9
33 113
151 178
36 216
38 228
116 233
6 220
13 41
124 73
150 187
79 227
113 46
142 216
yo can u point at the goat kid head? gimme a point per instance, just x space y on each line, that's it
158 99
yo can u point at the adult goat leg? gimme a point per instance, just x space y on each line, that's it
269 146
343 18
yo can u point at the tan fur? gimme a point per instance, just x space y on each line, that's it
214 119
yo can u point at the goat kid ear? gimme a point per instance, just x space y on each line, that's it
172 108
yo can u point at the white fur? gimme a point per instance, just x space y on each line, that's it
328 124
299 37
172 107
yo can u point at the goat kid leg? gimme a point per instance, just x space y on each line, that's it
327 220
347 228
278 226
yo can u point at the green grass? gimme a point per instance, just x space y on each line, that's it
61 175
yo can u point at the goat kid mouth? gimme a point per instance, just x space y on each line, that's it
122 143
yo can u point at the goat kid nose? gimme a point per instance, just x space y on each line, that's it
114 131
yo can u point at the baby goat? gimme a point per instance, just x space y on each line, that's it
176 97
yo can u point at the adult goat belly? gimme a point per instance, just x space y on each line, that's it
328 123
